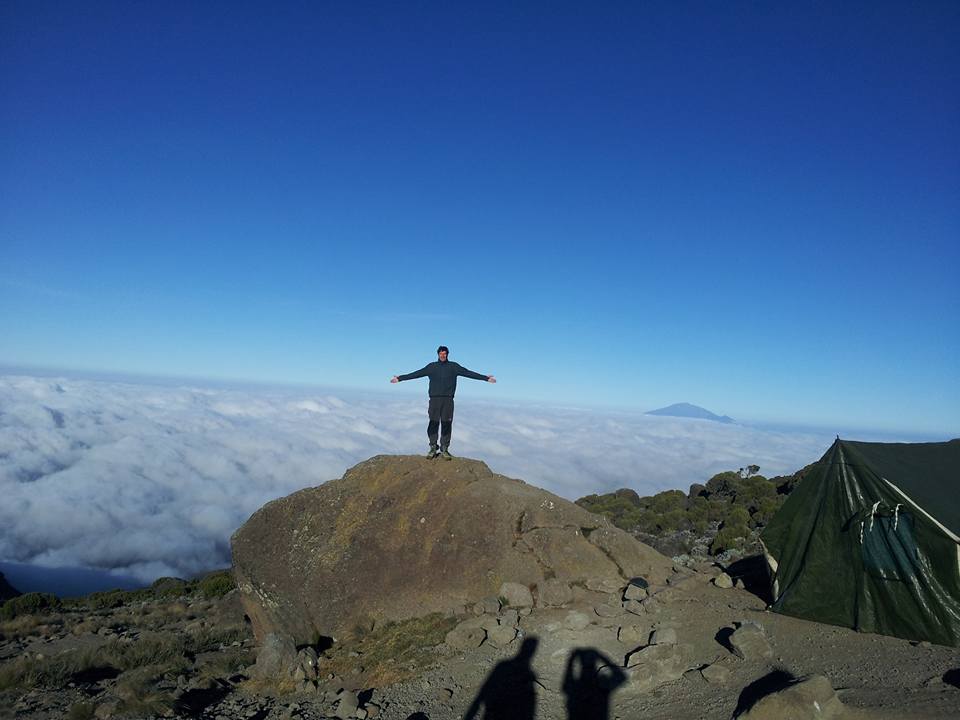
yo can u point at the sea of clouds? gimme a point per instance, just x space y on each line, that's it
152 479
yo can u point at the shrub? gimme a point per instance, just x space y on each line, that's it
168 587
216 585
33 603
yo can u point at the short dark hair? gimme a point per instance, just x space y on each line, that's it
443 348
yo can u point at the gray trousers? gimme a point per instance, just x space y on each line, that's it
440 412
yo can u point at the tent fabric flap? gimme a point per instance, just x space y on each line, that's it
865 541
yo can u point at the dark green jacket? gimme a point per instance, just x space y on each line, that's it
443 377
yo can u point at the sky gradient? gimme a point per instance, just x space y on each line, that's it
748 206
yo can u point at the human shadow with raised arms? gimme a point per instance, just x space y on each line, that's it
508 693
589 681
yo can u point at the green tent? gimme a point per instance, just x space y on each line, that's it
870 539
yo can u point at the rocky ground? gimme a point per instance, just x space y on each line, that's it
695 649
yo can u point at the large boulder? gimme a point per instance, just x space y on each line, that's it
400 536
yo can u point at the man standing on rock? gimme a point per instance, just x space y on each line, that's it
443 385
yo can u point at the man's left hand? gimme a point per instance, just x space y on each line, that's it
491 379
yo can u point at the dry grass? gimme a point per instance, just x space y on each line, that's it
81 711
137 695
393 652
163 652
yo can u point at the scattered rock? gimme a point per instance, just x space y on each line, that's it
347 705
307 662
501 636
633 606
277 657
554 593
516 595
509 617
605 585
716 674
608 611
654 665
810 698
490 605
632 635
634 592
723 581
466 635
576 620
749 642
663 636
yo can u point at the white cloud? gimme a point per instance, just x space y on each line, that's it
152 480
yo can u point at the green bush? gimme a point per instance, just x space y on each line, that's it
668 501
33 603
216 585
169 587
737 501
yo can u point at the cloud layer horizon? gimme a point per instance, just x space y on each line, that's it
152 480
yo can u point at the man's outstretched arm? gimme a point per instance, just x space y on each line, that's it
463 372
422 372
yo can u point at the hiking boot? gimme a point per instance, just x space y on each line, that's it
445 454
433 452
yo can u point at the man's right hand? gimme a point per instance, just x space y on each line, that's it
394 379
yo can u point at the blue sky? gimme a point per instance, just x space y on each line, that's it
748 206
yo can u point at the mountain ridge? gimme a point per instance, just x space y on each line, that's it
690 410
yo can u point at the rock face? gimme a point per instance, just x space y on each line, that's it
400 536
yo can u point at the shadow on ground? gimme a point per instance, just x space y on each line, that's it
752 571
769 683
510 690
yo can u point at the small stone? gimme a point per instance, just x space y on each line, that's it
632 635
608 611
553 593
516 595
373 711
723 581
604 585
654 665
576 620
488 623
749 642
510 617
663 636
634 592
491 604
501 636
277 656
716 674
738 583
633 606
810 698
106 710
651 605
466 636
347 705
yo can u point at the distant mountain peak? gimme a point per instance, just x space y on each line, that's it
690 411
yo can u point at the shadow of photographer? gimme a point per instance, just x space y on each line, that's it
509 692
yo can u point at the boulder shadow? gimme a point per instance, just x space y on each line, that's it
509 692
193 702
770 683
723 637
754 574
952 677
